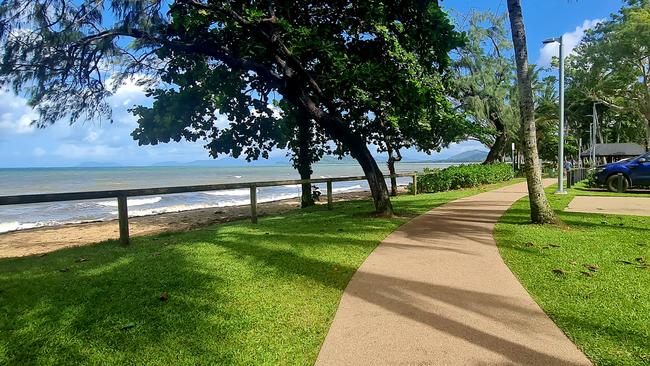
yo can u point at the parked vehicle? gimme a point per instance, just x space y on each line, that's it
635 171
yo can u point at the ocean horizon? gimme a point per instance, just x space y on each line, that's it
17 181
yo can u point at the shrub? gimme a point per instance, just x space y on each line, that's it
462 176
591 182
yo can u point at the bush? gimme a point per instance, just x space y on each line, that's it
591 182
462 176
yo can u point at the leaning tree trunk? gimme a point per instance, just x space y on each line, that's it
496 150
334 126
540 210
304 160
391 168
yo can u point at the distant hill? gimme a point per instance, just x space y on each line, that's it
468 156
472 156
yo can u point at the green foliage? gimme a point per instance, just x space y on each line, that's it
462 176
605 310
485 81
238 294
237 58
591 182
611 67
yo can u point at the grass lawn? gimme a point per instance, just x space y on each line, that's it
581 189
238 293
590 276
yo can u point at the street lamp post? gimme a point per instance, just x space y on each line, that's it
560 160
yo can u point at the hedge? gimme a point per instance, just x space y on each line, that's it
462 176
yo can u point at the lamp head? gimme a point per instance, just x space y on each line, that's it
552 40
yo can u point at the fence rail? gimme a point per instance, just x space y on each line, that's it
122 194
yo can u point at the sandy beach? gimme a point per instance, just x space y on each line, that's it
47 239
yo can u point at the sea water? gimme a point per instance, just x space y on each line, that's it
56 180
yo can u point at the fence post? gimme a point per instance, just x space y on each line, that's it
253 204
569 177
620 182
123 218
329 194
415 183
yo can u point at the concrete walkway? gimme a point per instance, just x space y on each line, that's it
639 206
436 292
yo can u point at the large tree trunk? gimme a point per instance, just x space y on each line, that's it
497 148
540 210
391 168
304 160
335 127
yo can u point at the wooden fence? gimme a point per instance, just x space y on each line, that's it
122 194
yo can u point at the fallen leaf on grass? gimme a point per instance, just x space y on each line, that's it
530 244
573 263
164 296
555 245
640 259
546 247
82 259
626 262
156 254
128 326
592 267
558 271
64 270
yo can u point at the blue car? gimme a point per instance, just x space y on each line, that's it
636 172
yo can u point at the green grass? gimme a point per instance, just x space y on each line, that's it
606 312
581 189
238 293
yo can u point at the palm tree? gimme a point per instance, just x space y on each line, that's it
540 210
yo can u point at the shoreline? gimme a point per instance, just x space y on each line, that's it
45 239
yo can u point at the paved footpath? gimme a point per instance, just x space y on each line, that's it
436 292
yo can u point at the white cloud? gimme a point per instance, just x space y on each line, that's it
570 39
38 152
81 152
92 136
16 115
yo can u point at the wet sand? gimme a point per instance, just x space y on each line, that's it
47 239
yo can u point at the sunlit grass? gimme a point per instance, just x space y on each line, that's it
238 293
605 310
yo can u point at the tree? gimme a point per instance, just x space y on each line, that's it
308 147
320 56
611 67
540 210
486 83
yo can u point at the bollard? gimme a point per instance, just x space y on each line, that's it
415 183
123 218
620 182
253 204
329 194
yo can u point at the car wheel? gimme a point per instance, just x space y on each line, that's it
612 183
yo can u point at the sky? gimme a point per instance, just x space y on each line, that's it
23 145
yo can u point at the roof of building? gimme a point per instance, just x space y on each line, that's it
619 149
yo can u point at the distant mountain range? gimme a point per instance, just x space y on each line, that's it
467 156
464 157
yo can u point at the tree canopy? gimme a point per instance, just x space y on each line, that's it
331 60
611 67
486 83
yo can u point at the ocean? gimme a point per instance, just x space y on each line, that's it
55 180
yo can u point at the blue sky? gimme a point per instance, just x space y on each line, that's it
21 145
